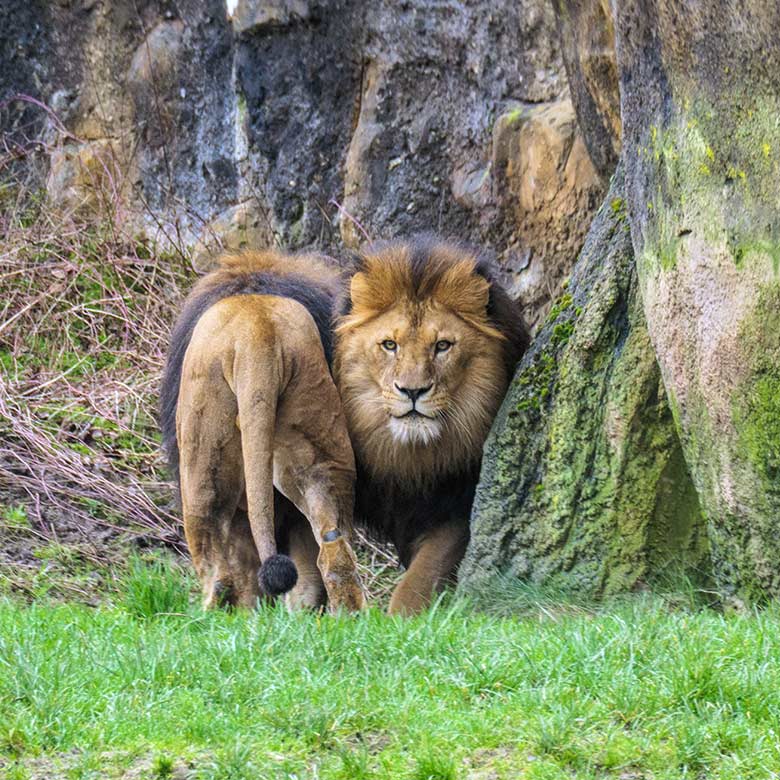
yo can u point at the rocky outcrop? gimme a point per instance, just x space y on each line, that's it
701 120
588 45
587 470
546 189
423 154
297 122
583 482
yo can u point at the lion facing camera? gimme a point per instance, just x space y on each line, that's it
255 434
425 348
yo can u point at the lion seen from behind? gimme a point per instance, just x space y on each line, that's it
254 432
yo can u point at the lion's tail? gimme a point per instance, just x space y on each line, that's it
278 573
257 395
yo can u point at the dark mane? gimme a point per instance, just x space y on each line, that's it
389 512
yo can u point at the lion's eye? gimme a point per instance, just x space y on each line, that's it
389 345
442 345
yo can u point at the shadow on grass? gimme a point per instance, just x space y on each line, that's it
506 596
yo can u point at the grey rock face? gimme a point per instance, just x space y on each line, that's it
438 77
701 119
588 44
299 122
439 81
298 84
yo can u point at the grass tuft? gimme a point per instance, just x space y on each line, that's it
231 763
152 588
14 518
434 765
163 767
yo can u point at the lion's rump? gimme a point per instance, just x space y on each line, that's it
247 274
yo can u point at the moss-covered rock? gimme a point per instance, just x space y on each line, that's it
583 483
701 118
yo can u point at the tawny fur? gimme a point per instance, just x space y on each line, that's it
260 441
416 296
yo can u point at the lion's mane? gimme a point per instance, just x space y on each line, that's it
401 490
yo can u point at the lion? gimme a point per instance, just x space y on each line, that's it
256 437
426 344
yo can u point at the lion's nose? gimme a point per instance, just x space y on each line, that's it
412 393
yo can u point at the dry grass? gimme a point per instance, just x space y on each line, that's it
85 314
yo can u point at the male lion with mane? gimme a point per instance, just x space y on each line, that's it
425 348
254 432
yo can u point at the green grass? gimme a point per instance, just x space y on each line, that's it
150 590
14 517
635 689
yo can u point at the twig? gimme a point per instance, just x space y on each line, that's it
352 219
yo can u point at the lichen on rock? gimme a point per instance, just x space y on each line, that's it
702 150
583 482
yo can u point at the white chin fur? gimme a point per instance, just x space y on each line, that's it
417 430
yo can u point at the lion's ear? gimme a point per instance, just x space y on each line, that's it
464 291
363 303
360 293
467 293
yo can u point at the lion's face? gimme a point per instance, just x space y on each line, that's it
420 366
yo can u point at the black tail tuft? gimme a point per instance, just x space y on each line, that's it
277 575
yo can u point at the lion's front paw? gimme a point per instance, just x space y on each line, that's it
344 593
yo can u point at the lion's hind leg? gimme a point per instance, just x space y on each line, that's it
209 513
302 547
314 468
243 562
322 493
212 483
